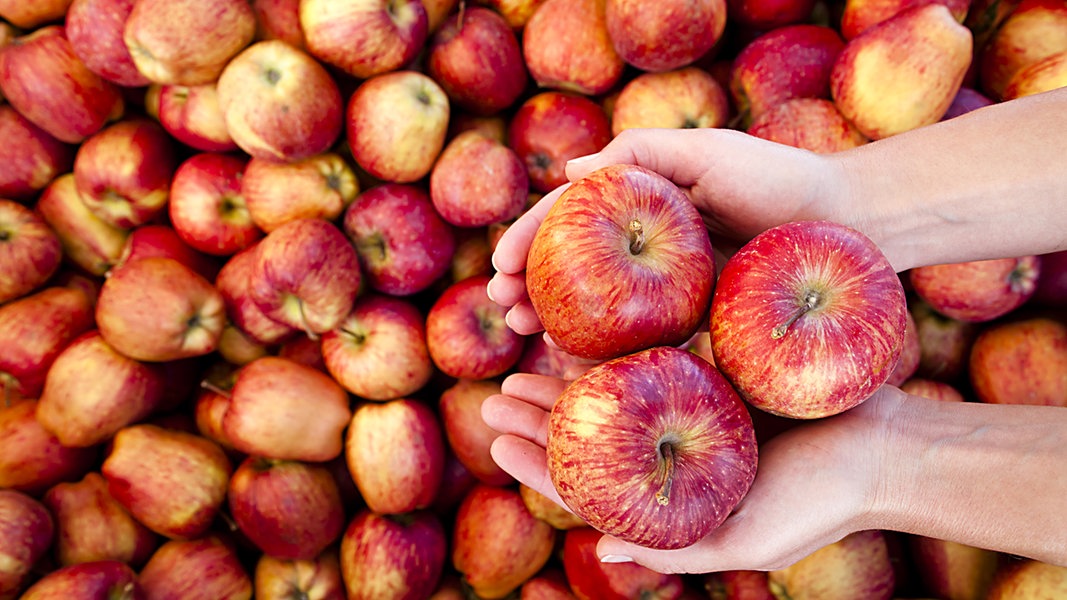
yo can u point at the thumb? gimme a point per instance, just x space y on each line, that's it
672 153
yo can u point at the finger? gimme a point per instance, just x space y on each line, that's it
514 244
538 390
506 289
522 319
512 416
668 152
526 462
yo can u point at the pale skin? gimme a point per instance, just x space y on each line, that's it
989 184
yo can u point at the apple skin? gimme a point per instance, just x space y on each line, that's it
667 35
548 510
1052 284
279 20
403 244
161 240
515 12
379 351
30 15
549 584
496 543
467 335
207 208
977 291
933 389
1020 361
191 115
393 556
1025 578
30 251
813 124
284 410
241 310
857 566
944 342
767 15
92 526
171 481
1030 32
46 82
808 319
552 127
317 579
477 181
1045 75
290 510
738 585
591 579
99 579
31 459
567 47
157 310
910 353
859 15
469 438
88 241
279 103
952 570
364 38
32 156
320 186
27 531
476 58
395 125
617 241
95 29
684 98
395 451
621 435
187 42
207 567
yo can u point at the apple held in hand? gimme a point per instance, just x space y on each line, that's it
808 319
622 262
654 447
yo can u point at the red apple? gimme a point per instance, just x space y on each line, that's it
859 15
933 389
813 124
591 579
473 254
161 240
379 351
549 584
1020 361
27 531
944 342
469 438
466 333
303 349
654 447
30 251
546 509
316 579
395 451
192 115
279 103
1052 283
477 181
515 12
242 311
476 58
617 241
679 99
320 186
808 319
88 241
95 29
157 309
210 403
857 566
364 38
187 42
29 15
738 585
32 156
567 46
664 35
977 291
952 570
31 459
279 20
1030 32
206 568
290 510
207 208
99 579
542 358
403 244
393 556
767 15
550 128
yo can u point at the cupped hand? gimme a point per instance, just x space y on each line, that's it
815 482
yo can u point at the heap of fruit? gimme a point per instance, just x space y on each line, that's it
244 248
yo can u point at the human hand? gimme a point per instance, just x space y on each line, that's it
815 483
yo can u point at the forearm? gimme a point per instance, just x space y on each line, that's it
991 476
989 184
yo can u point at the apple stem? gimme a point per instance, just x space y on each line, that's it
637 237
207 385
811 300
462 12
304 322
663 496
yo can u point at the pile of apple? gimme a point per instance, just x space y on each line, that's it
244 247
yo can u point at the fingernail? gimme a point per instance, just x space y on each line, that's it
581 159
507 320
615 558
489 290
492 261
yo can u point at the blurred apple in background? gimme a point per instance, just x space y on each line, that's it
279 20
30 251
591 579
99 579
567 47
320 186
316 579
857 566
469 438
1025 579
1031 31
207 208
192 115
393 556
738 585
548 584
944 342
95 29
477 181
31 459
364 38
548 510
33 14
952 570
161 240
27 531
88 241
1020 361
684 98
1052 284
813 124
1045 75
202 568
515 12
977 291
33 158
859 15
933 389
664 35
767 15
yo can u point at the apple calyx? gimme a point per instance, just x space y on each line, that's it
812 300
1022 279
665 452
637 236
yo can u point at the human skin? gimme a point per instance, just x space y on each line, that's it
955 191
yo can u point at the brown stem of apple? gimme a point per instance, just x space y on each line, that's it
637 236
663 496
207 385
811 301
304 323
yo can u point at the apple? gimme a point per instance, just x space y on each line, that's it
665 35
469 438
617 241
241 309
88 242
157 309
1026 578
284 410
31 459
589 578
395 451
210 402
279 103
542 358
857 566
813 124
552 127
191 115
92 526
279 20
476 58
316 579
466 333
303 349
1047 74
515 12
549 584
768 15
635 456
91 392
859 15
320 186
567 46
933 389
910 353
207 208
187 42
162 240
32 156
27 531
290 510
949 569
34 330
403 243
548 510
1030 32
886 93
95 29
30 251
1052 284
364 38
30 15
110 579
393 556
379 351
496 543
46 82
237 347
966 100
944 342
738 585
208 567
395 125
683 98
1020 361
977 291
808 319
477 181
